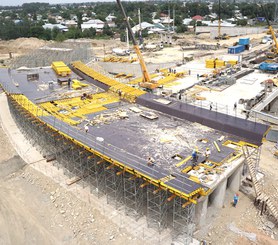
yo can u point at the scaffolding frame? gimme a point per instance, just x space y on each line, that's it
157 206
183 220
134 196
138 197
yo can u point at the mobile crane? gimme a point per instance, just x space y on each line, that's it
224 36
147 82
274 50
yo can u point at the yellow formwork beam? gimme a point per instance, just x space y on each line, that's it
113 84
186 204
140 79
28 105
195 179
183 161
187 169
169 199
216 146
235 157
68 109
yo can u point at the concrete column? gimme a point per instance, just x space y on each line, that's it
235 179
201 212
218 195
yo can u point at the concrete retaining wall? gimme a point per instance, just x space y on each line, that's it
231 31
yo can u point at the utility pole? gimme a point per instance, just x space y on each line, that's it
174 20
219 20
140 27
127 39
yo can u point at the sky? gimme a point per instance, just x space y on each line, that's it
20 2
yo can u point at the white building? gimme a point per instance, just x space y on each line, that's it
186 21
96 24
71 23
52 26
144 25
110 18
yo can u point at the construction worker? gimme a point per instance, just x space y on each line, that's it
235 106
207 153
210 106
194 155
150 161
69 82
236 196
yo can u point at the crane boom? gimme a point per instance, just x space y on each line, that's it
146 76
271 31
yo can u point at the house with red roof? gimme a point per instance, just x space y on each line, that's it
197 18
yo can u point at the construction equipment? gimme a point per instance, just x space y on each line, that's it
147 82
274 50
223 36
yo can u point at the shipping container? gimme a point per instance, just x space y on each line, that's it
244 41
236 49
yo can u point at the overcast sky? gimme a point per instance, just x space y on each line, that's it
20 2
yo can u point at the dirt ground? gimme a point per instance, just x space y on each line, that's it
18 47
36 210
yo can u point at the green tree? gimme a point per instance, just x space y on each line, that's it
65 15
47 34
241 22
52 21
107 31
89 33
60 37
54 33
181 29
36 31
79 19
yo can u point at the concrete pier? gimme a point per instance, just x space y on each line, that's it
234 181
201 212
218 195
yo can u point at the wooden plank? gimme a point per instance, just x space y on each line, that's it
73 180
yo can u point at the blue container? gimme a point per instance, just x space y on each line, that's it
236 49
244 41
268 66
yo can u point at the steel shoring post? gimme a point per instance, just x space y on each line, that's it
74 165
86 169
114 186
100 177
91 179
156 208
133 196
183 225
63 154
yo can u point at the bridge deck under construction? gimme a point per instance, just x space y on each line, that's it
122 133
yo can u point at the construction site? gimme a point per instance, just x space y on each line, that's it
163 138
